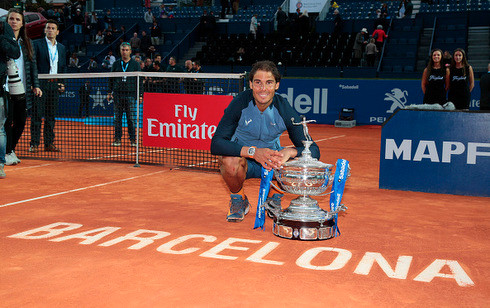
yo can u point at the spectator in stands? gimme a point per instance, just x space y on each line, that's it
371 51
171 13
155 33
225 8
109 60
173 67
163 11
384 10
94 22
136 57
235 6
461 80
77 22
435 79
148 65
17 107
194 85
108 19
304 23
401 9
51 59
92 64
66 12
447 59
99 38
149 17
123 90
188 66
148 4
74 61
242 153
108 36
240 54
408 9
282 20
254 25
151 52
145 43
379 36
485 90
380 20
207 24
84 94
359 45
337 23
135 42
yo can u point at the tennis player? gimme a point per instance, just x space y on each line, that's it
247 137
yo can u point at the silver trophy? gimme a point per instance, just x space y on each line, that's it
305 176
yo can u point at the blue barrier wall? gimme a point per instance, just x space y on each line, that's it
374 100
436 151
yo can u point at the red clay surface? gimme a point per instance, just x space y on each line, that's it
431 249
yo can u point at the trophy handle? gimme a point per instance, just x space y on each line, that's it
277 188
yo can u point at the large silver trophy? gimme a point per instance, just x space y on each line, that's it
306 176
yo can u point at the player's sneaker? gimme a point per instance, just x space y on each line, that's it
273 204
2 173
239 207
9 160
15 157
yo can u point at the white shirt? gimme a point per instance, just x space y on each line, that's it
53 56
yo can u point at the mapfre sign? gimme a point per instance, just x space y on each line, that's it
184 121
436 151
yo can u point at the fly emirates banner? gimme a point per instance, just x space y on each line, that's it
184 121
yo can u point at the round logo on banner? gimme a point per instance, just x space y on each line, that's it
299 4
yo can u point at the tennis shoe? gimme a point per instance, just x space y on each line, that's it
273 204
9 160
116 143
15 157
133 144
2 172
239 207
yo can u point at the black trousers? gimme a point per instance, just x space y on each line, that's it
46 105
15 122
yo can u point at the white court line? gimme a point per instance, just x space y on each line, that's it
80 189
22 168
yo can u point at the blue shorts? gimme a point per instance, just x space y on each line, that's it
254 169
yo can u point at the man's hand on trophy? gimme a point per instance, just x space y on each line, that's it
287 154
269 159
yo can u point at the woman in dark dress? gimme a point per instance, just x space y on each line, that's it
435 80
461 80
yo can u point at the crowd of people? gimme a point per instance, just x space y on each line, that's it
446 78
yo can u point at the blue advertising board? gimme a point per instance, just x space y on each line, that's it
436 151
373 100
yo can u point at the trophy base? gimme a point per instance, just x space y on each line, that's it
304 220
305 231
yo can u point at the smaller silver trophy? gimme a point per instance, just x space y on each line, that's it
306 176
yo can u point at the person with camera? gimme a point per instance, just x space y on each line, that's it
9 49
51 59
19 104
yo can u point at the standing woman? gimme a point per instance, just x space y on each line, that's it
461 81
26 63
435 80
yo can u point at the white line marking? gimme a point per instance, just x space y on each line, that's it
80 189
10 169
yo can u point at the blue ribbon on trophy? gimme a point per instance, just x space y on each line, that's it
341 174
265 184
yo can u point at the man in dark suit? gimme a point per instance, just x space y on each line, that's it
84 93
51 59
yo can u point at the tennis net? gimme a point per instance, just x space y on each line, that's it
81 122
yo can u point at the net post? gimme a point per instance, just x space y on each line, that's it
136 165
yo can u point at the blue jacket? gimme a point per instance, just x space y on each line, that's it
244 125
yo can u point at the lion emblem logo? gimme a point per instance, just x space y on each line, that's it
398 99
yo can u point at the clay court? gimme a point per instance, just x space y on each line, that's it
92 234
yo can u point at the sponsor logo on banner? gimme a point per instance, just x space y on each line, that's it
303 103
184 121
397 98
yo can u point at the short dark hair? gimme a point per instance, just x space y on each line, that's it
52 21
267 66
